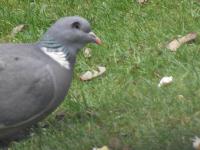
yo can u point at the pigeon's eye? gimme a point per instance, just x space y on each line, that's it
76 25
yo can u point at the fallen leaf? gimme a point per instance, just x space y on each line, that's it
18 29
176 43
60 115
92 74
103 148
180 97
165 81
196 143
43 125
141 1
126 147
87 52
115 143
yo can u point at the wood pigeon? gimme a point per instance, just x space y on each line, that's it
34 78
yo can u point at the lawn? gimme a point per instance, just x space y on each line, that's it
124 108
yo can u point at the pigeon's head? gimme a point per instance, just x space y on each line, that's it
73 32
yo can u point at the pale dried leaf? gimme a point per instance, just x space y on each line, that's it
141 1
176 43
101 70
196 143
103 148
88 75
18 29
189 37
180 97
165 81
87 52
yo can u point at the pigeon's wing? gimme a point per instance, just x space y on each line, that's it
27 87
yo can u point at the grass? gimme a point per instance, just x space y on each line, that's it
125 103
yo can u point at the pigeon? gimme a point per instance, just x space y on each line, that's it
35 77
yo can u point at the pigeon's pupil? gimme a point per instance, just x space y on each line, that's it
77 26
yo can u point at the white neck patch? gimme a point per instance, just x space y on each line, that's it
59 57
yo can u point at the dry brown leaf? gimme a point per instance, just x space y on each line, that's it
196 143
126 147
115 143
60 115
103 148
176 43
92 74
141 1
87 52
18 29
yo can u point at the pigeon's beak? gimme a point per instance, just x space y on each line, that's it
96 39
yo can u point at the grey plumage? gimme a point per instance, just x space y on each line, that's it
32 84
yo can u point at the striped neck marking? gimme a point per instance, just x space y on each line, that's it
58 55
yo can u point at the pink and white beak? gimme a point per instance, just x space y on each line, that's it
96 38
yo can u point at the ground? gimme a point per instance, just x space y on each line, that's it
124 104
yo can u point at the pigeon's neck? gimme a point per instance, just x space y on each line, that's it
58 52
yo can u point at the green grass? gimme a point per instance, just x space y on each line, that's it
125 103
